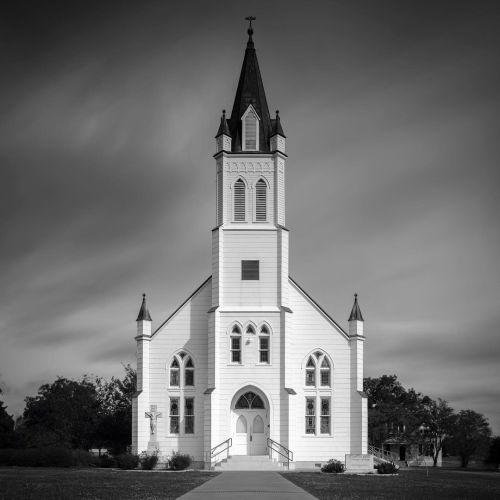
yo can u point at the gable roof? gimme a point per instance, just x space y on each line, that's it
182 305
318 307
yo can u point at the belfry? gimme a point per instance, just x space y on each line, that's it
250 365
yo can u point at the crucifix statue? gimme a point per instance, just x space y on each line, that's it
153 415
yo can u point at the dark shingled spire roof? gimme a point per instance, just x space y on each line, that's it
224 126
144 312
356 311
276 126
250 91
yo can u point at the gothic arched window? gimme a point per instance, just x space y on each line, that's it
264 345
318 392
239 201
189 372
235 348
175 379
249 401
250 126
261 201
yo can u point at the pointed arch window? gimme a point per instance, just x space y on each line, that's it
189 372
261 201
264 345
311 372
325 373
250 330
318 400
250 126
249 401
175 379
235 341
239 201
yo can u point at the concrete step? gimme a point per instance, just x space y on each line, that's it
244 462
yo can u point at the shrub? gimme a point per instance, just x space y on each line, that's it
335 466
387 468
106 461
148 462
127 461
83 458
179 461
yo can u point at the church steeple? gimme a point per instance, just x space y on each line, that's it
250 92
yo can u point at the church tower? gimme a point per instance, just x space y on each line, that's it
249 241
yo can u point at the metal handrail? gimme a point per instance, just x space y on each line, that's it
381 453
289 454
228 442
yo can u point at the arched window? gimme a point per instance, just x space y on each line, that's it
261 201
325 373
189 372
235 344
318 391
182 399
250 330
250 130
311 372
249 401
175 378
264 346
239 201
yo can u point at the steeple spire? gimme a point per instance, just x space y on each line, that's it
356 311
250 91
144 311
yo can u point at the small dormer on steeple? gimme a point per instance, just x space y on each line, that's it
278 138
223 138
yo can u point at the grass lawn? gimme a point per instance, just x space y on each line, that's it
91 484
408 484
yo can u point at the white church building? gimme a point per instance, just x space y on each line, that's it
250 364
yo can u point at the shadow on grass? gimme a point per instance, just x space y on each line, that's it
57 484
408 484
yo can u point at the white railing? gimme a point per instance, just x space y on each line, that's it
384 455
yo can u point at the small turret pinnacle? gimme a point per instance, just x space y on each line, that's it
144 311
277 128
356 311
224 126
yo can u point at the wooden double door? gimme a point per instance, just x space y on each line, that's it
250 432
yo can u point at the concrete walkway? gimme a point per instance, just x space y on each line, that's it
248 485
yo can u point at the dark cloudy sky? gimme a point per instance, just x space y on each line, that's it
391 110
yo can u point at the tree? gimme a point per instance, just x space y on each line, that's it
114 423
7 436
471 434
494 452
438 420
62 413
393 411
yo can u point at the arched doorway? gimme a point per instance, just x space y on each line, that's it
250 423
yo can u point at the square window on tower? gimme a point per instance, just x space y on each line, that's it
249 269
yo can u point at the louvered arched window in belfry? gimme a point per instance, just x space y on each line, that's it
239 201
261 200
250 130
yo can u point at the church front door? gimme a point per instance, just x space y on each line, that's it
250 425
250 434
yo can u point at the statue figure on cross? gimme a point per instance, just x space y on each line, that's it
153 416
